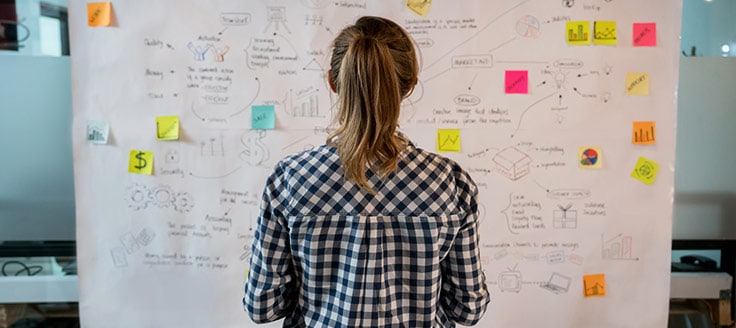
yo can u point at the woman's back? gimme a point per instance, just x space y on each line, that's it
376 259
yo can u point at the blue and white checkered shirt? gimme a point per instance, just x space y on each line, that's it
329 254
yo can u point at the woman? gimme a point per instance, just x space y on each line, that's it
368 230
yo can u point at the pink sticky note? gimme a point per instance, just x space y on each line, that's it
645 34
517 82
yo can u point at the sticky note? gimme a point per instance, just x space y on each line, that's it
167 128
141 162
98 132
645 34
645 170
99 13
590 157
637 84
604 32
517 82
262 117
644 133
448 140
419 7
578 33
594 285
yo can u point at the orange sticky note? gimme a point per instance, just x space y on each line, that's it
594 285
644 133
645 34
99 13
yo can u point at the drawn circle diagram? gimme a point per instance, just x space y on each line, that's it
589 157
528 26
645 170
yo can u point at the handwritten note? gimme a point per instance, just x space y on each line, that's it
645 170
167 128
644 133
517 82
594 285
98 132
99 13
645 34
637 84
604 32
448 140
262 117
578 33
141 162
419 7
590 157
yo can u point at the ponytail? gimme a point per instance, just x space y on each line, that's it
374 67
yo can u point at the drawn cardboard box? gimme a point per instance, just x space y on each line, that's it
512 163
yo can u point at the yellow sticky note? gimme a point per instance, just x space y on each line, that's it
99 13
594 285
578 33
141 162
644 133
167 128
448 140
420 7
645 170
604 32
637 84
590 158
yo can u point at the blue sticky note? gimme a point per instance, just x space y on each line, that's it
263 117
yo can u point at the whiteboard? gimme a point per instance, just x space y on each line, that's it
504 89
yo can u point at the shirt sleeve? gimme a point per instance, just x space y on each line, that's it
271 287
464 295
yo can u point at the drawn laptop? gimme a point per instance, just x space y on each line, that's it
557 283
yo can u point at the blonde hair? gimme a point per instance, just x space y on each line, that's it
374 67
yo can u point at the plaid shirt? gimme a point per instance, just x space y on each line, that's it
328 254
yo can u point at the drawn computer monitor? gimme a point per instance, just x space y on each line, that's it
557 283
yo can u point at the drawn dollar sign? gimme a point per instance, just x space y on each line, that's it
141 161
255 152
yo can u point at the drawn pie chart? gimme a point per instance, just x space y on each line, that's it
590 157
528 26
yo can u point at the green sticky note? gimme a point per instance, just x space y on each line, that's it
167 128
141 162
645 170
448 140
263 117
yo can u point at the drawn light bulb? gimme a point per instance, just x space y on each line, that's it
559 79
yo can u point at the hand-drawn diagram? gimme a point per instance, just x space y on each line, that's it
512 163
565 218
557 283
618 248
277 19
141 197
510 280
256 152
